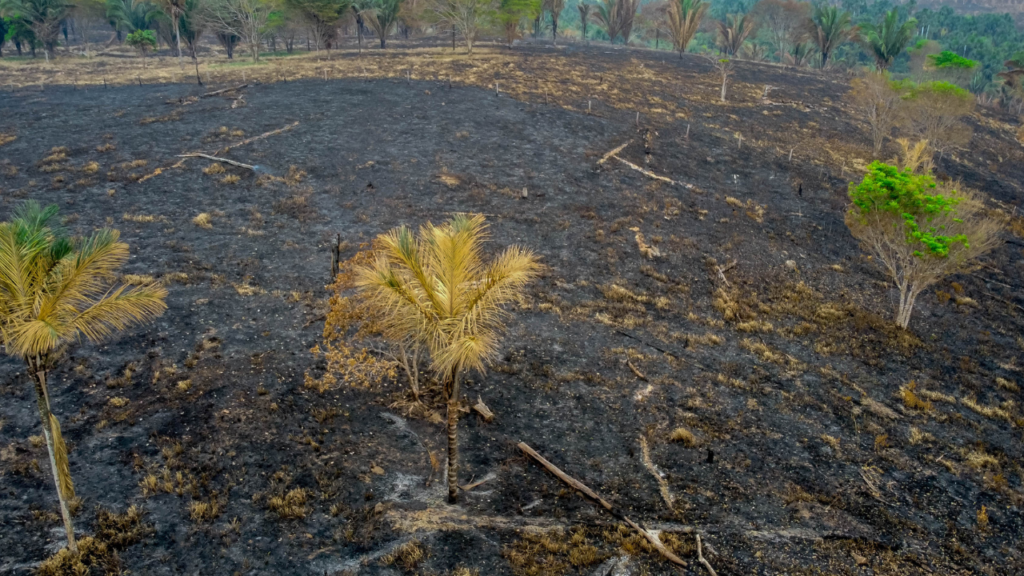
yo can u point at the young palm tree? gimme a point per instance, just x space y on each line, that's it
829 28
684 17
886 41
734 32
381 16
436 291
53 291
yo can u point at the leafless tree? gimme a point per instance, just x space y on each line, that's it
246 19
879 99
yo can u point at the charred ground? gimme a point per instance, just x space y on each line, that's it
791 374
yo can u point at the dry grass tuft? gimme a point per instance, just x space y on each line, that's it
291 504
911 400
979 460
137 279
202 512
118 402
230 179
107 147
733 202
142 218
936 396
213 169
449 180
916 436
91 167
7 138
203 220
683 435
754 326
248 290
407 556
993 412
831 441
1007 385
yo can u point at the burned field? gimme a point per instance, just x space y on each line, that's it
714 355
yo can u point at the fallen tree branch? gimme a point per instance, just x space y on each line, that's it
636 371
651 538
645 453
700 558
260 137
223 90
471 485
216 159
650 174
613 153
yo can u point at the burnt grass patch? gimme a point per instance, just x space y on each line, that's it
821 440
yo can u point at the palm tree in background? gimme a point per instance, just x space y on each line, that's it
887 40
436 291
43 17
684 17
381 16
174 10
829 28
734 31
53 291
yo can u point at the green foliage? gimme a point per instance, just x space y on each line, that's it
947 59
44 17
141 40
938 88
906 195
129 16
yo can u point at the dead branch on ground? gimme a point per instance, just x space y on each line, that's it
576 484
613 153
217 159
223 90
260 137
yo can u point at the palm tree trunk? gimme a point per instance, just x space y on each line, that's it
37 374
453 440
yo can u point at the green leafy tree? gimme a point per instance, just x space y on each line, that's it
917 231
141 40
19 34
436 292
53 291
684 18
4 26
888 39
512 14
44 17
829 29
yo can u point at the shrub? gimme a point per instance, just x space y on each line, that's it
919 232
879 99
932 111
141 40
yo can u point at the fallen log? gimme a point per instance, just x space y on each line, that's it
483 410
223 90
576 484
216 159
613 153
700 558
260 137
652 175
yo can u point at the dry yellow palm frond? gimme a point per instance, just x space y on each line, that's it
437 291
915 155
53 291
